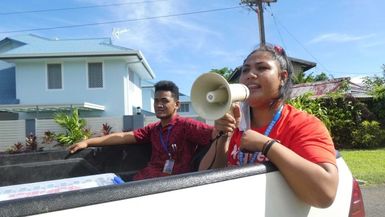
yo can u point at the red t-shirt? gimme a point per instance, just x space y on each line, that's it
186 133
301 132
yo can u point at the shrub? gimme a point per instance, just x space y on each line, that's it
106 129
31 143
48 137
346 114
368 135
16 148
312 106
74 126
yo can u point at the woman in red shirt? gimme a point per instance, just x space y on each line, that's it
265 128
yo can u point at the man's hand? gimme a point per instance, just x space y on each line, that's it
78 146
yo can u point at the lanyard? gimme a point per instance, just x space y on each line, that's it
165 144
276 117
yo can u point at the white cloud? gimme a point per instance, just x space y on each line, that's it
157 37
338 38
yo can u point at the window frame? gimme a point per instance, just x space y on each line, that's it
61 76
88 77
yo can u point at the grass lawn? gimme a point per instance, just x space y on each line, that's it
366 165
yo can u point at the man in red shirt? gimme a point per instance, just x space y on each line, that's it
174 138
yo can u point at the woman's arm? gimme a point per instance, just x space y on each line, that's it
216 156
315 184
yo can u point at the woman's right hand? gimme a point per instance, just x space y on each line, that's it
78 146
229 121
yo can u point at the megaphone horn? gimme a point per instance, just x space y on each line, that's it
212 95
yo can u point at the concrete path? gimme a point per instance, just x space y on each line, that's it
374 200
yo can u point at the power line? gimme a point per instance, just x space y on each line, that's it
303 47
123 21
279 32
76 8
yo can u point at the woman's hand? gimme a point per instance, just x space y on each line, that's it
229 121
252 141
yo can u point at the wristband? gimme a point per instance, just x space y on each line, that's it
266 146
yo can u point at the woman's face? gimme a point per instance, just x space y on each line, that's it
263 76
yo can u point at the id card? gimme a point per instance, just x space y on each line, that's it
168 165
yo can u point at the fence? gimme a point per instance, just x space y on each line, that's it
14 131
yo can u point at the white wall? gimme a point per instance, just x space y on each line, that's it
11 132
31 87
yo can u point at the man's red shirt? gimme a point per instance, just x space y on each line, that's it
186 133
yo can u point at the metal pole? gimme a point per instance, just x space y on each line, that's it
261 23
256 5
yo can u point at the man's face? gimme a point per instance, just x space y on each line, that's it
165 105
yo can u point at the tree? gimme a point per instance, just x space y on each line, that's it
321 77
376 87
225 72
301 78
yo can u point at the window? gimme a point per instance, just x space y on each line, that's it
95 75
54 76
184 107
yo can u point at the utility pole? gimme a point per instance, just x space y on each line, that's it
256 5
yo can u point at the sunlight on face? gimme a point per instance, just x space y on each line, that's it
165 105
261 74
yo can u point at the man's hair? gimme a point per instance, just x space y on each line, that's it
168 86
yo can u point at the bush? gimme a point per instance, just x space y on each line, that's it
342 115
74 126
345 114
312 106
368 135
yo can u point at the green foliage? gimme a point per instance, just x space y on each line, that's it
368 135
341 114
225 72
321 77
301 78
312 106
74 127
376 87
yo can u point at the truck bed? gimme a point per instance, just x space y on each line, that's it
257 190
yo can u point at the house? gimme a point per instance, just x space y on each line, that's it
322 88
40 76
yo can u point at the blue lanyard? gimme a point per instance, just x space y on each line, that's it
276 117
165 144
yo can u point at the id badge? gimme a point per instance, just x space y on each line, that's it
169 164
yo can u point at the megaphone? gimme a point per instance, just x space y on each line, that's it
212 96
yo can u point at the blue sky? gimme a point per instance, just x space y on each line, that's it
182 39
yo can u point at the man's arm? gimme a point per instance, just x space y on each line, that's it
111 139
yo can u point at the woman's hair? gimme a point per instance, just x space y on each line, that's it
279 54
168 86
